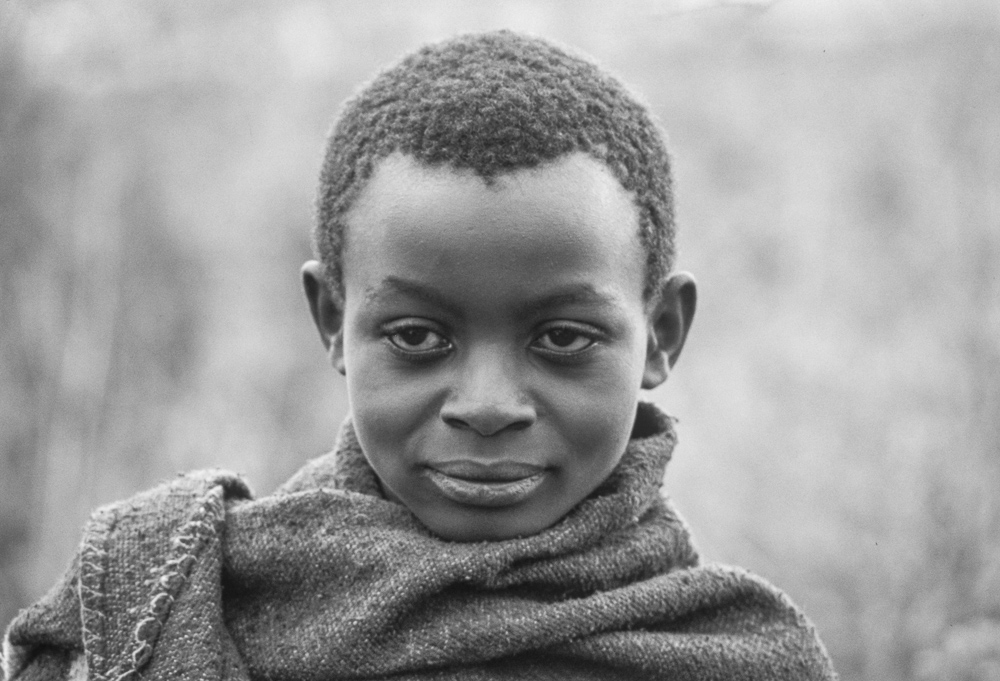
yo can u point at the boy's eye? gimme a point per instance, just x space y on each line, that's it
564 340
417 339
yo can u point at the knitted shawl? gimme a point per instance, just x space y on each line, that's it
327 579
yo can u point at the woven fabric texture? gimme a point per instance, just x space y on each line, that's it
327 579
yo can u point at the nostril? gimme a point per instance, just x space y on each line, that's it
455 422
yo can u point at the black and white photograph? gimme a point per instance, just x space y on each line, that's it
508 339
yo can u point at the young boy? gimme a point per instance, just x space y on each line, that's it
495 239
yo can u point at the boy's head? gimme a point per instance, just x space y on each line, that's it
496 236
494 103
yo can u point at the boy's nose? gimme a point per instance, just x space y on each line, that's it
487 398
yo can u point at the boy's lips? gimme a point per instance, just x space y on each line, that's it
490 485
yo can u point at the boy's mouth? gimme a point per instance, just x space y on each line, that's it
491 485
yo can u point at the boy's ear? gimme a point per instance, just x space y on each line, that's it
669 322
327 312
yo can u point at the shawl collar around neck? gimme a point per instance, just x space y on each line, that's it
326 579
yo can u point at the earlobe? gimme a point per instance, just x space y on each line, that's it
327 312
669 322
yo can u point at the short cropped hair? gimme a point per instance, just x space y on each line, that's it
495 103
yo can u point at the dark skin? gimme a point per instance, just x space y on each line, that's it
495 338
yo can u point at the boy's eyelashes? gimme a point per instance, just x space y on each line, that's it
418 339
565 339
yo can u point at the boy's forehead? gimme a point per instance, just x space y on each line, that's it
567 223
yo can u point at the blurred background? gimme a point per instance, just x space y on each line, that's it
838 179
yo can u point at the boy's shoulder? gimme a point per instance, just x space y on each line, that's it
133 559
163 529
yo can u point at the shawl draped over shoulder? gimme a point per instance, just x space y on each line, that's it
326 579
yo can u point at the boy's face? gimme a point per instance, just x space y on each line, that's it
494 339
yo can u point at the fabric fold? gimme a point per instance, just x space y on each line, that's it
328 579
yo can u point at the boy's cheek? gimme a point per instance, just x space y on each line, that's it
388 399
389 406
598 407
593 419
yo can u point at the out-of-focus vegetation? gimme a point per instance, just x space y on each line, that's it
838 172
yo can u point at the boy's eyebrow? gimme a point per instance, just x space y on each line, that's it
413 289
574 294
